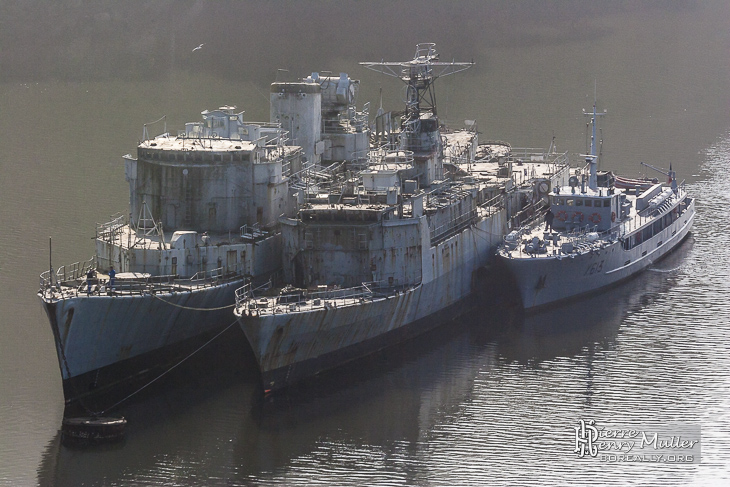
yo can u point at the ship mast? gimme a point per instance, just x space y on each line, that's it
592 157
419 75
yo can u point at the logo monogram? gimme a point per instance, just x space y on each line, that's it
585 434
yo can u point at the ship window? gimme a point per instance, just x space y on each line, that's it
589 202
569 202
646 233
606 203
578 202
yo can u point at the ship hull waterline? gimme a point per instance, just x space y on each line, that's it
103 341
295 347
292 345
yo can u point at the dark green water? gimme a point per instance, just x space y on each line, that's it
475 404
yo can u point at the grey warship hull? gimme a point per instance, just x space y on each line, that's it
102 340
295 341
327 339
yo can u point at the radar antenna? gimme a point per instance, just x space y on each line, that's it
419 75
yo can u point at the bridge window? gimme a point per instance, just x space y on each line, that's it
646 234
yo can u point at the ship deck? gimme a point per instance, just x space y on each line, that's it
72 283
127 237
266 301
583 239
527 164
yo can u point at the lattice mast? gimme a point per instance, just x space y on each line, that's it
419 75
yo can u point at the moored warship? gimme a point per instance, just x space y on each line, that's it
203 215
390 246
596 234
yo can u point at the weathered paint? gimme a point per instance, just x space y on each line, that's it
94 332
292 346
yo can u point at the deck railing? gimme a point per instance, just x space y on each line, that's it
453 226
110 230
72 281
65 273
252 301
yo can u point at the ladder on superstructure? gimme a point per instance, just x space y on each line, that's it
147 224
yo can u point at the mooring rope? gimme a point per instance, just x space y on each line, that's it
192 308
167 371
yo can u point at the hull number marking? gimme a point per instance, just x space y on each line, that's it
594 268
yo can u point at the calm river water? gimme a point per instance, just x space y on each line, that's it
490 400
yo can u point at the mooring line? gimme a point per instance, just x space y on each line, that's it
192 308
168 370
